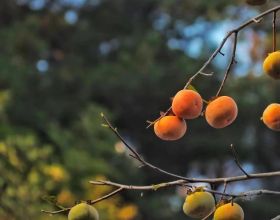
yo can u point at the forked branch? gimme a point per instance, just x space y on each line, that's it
234 32
185 181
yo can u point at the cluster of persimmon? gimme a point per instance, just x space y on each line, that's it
200 204
220 112
271 66
83 211
186 105
271 114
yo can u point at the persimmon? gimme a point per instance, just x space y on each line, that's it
256 2
187 104
271 116
170 128
199 204
83 211
229 211
221 112
271 65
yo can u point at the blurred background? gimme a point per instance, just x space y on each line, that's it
62 62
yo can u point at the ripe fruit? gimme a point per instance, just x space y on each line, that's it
256 2
83 211
170 128
199 204
187 104
271 65
271 116
229 212
221 112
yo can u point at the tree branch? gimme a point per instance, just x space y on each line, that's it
138 157
182 183
235 31
232 61
91 202
276 218
181 180
234 152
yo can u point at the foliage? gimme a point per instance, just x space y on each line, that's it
56 76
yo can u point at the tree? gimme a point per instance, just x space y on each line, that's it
69 61
185 181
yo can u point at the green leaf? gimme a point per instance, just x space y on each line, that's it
157 186
191 87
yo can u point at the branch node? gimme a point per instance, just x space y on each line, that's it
257 20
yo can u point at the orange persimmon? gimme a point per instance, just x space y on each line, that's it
271 65
229 211
221 112
187 104
271 116
170 128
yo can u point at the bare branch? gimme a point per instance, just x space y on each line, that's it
224 191
182 183
138 157
232 61
135 154
155 187
56 212
211 213
181 180
245 194
148 187
91 202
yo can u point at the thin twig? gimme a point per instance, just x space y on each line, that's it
232 61
56 212
135 153
207 216
91 202
224 191
235 155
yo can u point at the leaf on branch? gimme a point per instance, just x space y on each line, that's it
157 186
191 87
105 125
